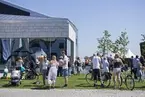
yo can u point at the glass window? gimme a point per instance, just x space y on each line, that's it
61 45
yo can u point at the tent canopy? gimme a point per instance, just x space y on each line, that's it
129 54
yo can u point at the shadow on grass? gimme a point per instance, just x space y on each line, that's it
7 85
10 86
140 87
81 79
43 88
83 85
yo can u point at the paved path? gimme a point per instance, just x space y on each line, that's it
69 93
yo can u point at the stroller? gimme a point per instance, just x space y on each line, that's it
15 77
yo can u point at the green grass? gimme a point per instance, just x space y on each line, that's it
75 82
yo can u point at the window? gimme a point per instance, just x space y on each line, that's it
61 45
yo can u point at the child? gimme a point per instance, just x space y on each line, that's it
5 72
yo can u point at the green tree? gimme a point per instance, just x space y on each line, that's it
142 45
143 37
114 47
123 41
104 42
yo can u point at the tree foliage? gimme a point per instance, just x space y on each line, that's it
107 45
114 47
143 37
142 45
122 42
104 42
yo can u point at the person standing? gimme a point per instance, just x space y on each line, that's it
105 64
96 61
142 60
69 67
78 65
117 63
41 60
131 64
19 63
136 62
59 72
19 66
5 74
44 68
65 68
87 65
52 75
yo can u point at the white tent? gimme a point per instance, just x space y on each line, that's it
129 54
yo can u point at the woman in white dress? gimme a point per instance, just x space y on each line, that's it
52 72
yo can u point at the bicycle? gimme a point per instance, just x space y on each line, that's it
141 74
127 79
105 77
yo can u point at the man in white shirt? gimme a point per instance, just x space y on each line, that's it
65 68
96 61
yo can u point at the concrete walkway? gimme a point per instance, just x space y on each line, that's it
69 93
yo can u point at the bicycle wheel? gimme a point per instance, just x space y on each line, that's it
129 82
107 83
121 80
89 78
106 80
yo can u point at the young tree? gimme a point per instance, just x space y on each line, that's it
142 45
143 37
114 47
123 42
104 42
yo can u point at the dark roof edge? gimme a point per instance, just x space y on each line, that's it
32 13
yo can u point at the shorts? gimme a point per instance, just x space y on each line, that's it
65 72
96 73
116 70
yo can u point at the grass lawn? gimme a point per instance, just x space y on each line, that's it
75 82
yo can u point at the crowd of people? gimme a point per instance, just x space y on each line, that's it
51 69
101 64
137 64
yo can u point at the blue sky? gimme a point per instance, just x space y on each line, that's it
92 17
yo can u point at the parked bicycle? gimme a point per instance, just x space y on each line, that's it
127 79
105 77
140 74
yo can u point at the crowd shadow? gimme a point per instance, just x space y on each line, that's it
81 79
44 87
7 85
84 85
141 87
